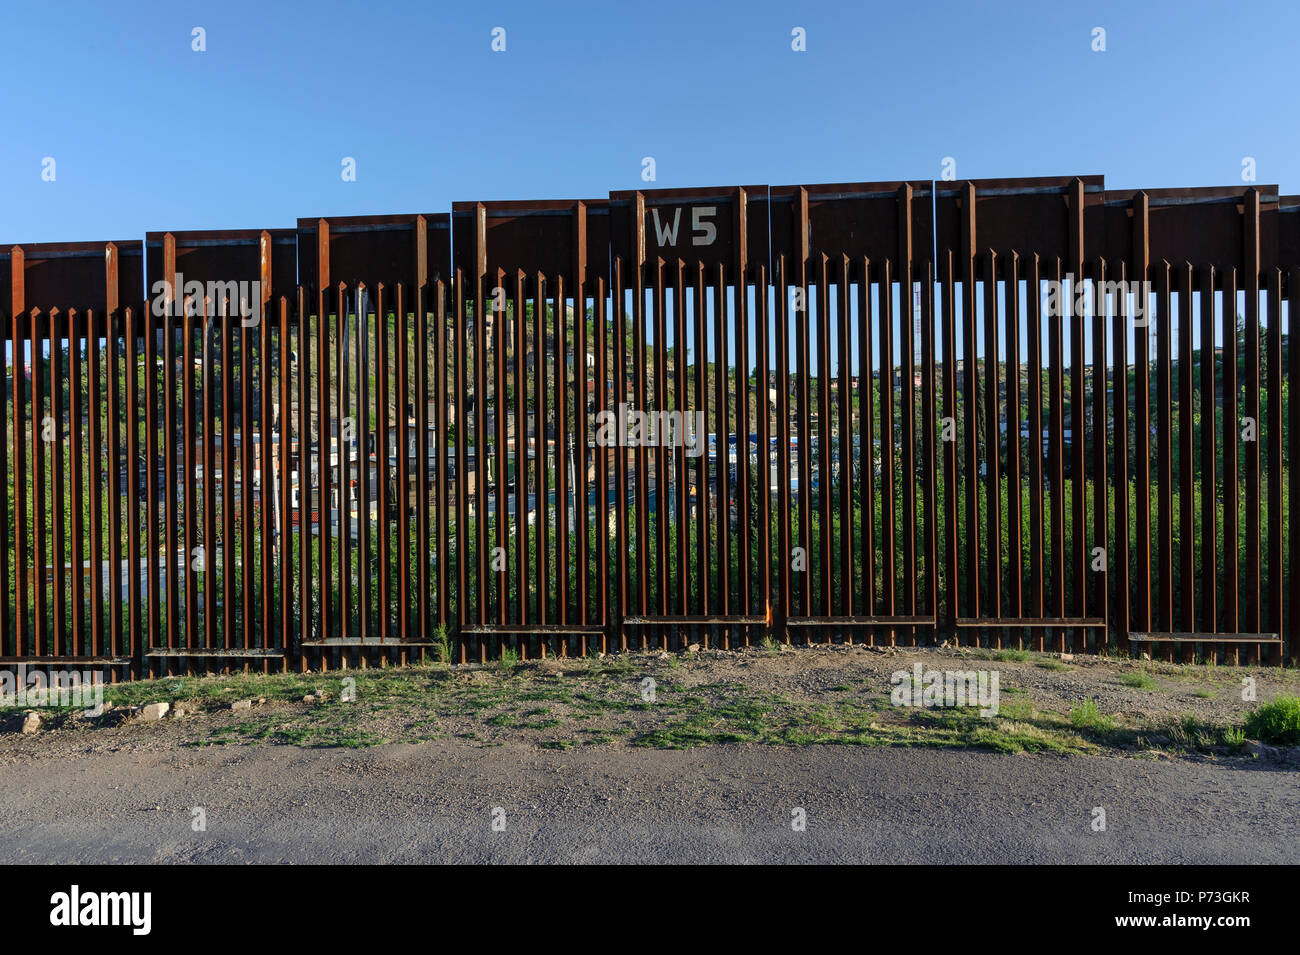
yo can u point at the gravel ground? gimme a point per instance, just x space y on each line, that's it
280 783
831 693
434 802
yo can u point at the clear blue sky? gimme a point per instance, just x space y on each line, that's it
149 135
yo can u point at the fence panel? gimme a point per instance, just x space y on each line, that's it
1021 412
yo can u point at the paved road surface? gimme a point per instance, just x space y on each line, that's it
434 802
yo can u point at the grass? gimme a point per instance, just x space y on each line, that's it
561 704
1276 722
1139 681
1088 718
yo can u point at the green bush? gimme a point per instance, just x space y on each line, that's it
1276 722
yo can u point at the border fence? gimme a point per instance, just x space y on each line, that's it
1008 413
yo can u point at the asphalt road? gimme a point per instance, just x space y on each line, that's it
434 803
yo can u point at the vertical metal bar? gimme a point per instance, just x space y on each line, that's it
1015 540
6 647
703 555
825 419
993 441
639 361
304 470
662 530
539 429
561 375
400 357
907 433
115 466
1164 456
381 460
324 481
59 581
95 458
423 548
602 478
1293 449
1078 410
227 478
1142 410
803 429
762 334
620 452
152 470
283 426
845 430
458 361
580 485
247 565
928 491
189 447
1100 484
722 417
951 543
888 556
134 608
500 414
1209 482
480 455
740 322
39 512
1034 301
19 463
171 454
1230 576
209 475
442 444
1120 558
78 469
781 354
682 405
1056 432
521 446
343 412
1186 461
971 400
365 445
866 441
1250 619
1276 585
265 483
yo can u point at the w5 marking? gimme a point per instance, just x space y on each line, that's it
703 231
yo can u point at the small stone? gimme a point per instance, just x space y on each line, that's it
154 711
261 701
241 705
309 698
693 648
31 723
663 655
1067 656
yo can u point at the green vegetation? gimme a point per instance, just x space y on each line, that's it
565 703
1276 722
1139 681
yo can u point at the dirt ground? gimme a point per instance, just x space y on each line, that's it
793 697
